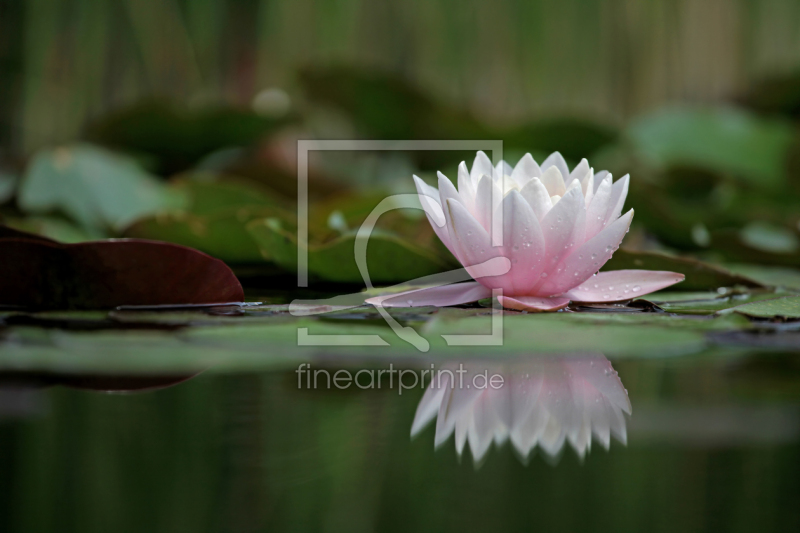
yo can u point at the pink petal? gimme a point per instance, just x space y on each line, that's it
482 166
465 187
561 227
523 243
587 186
556 160
537 197
619 191
553 180
455 294
532 303
488 197
526 169
429 198
622 285
501 170
473 246
599 177
580 171
597 212
587 259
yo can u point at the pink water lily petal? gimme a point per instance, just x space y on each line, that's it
622 285
473 245
532 303
587 186
535 193
429 198
556 160
553 180
619 191
599 177
455 294
523 243
501 170
561 226
526 169
580 171
597 212
587 259
487 199
465 186
482 166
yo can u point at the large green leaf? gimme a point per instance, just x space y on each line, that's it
215 220
390 258
722 140
96 188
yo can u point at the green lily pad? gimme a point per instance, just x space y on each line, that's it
390 258
774 276
699 275
94 187
722 140
54 228
786 307
215 221
706 303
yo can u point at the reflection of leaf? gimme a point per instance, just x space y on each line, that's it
94 187
389 258
176 136
720 140
104 274
786 307
699 275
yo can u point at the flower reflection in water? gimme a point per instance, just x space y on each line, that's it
544 401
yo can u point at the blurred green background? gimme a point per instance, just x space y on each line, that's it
698 100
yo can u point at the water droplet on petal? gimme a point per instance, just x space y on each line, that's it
636 288
544 274
605 297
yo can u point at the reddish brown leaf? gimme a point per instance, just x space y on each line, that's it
36 273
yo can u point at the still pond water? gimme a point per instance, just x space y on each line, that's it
713 444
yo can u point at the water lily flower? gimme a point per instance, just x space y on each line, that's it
545 401
558 229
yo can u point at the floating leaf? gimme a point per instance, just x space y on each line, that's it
722 140
774 276
390 258
705 303
96 188
105 274
699 275
786 307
